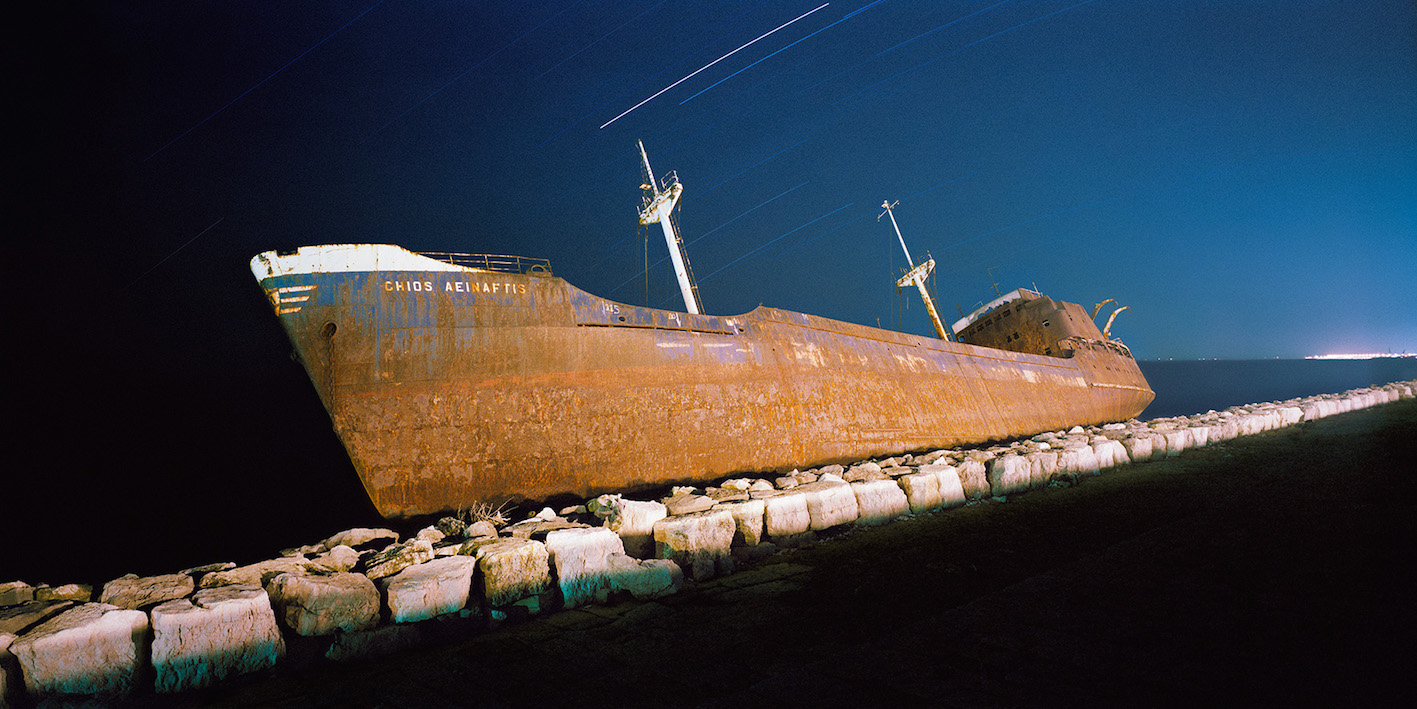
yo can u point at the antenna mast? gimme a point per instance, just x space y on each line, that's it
917 274
658 206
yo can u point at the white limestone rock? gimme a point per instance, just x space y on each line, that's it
13 592
922 490
82 593
94 648
951 489
974 477
512 569
830 502
1077 459
748 519
684 504
396 558
1110 453
1177 440
428 590
700 543
259 573
879 501
644 578
1138 447
579 559
362 536
633 520
1042 466
341 558
786 515
134 592
221 632
319 604
1009 474
10 678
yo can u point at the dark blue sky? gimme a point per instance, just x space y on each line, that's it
1243 175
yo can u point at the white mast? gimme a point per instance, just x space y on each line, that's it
658 207
917 274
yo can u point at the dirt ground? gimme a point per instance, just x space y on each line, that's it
1273 570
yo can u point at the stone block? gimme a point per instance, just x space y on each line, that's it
82 593
633 521
94 648
1110 453
700 543
951 488
785 515
879 501
10 678
830 503
1009 474
1042 466
1137 447
21 617
318 604
134 592
259 573
362 536
512 569
687 503
748 518
221 632
1077 459
644 578
579 560
1200 435
340 558
428 590
1177 440
922 490
974 478
13 592
394 559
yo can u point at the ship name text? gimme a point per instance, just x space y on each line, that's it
456 287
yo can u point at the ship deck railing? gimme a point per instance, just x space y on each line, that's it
500 263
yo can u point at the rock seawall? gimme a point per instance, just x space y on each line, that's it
366 592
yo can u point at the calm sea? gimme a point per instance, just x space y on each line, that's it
1196 386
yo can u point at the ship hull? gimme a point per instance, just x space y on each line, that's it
451 388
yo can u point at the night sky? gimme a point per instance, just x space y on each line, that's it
1242 175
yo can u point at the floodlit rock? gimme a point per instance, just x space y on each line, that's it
700 543
396 558
1290 415
221 632
1009 474
480 529
94 648
83 593
1042 466
21 617
748 519
736 484
786 515
1077 459
786 482
633 520
10 678
1177 441
259 573
1200 435
863 472
974 477
829 503
951 489
432 534
340 558
643 578
362 536
687 504
428 590
1137 447
512 569
922 490
578 557
319 605
134 592
879 501
15 592
1110 453
539 527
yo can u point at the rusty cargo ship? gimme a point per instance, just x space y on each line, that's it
455 379
459 379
